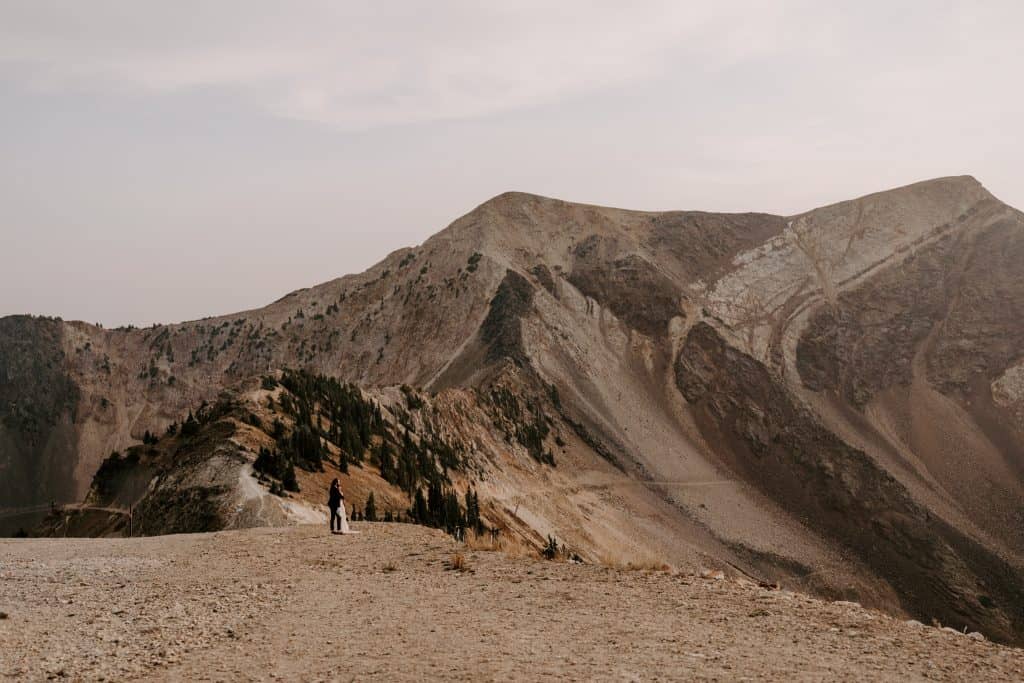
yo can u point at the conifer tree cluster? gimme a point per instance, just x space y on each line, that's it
277 465
440 508
190 427
326 410
524 421
352 421
412 462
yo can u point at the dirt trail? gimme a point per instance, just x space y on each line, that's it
299 604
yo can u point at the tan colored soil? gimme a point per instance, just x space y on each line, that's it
300 604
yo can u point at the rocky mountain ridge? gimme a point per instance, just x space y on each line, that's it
831 399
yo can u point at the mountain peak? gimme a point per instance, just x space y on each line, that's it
799 368
512 202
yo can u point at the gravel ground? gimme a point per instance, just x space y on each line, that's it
300 604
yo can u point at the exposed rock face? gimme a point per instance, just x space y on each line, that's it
782 449
830 400
502 329
614 283
38 400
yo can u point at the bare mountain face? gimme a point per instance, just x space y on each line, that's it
833 400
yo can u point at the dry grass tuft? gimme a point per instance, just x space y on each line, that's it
511 545
389 567
458 563
637 564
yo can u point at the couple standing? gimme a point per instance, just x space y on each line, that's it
336 503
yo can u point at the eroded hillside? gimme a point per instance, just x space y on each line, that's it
832 400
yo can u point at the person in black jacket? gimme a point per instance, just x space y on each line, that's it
334 498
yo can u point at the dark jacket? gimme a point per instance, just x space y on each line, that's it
334 498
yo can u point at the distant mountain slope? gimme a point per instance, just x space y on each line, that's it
833 399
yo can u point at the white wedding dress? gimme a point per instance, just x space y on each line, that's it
344 519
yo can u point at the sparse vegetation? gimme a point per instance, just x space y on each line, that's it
412 399
190 427
278 465
458 563
525 421
550 550
440 509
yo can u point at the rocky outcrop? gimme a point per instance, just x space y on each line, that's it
38 402
782 449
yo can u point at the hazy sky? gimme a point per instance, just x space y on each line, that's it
162 161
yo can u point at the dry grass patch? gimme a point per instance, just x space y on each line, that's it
636 564
511 545
458 563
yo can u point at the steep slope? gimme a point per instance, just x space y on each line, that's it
38 399
833 400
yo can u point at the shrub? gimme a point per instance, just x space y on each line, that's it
458 563
371 509
190 427
550 550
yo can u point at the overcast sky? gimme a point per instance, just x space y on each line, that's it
163 161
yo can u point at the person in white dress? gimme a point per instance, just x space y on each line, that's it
336 503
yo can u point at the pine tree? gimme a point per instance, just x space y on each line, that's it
473 511
453 520
419 511
435 505
371 509
190 427
385 463
288 478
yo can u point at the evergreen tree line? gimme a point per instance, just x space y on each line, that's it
440 508
326 410
527 423
352 420
278 465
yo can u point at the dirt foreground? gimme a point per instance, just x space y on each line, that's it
299 604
